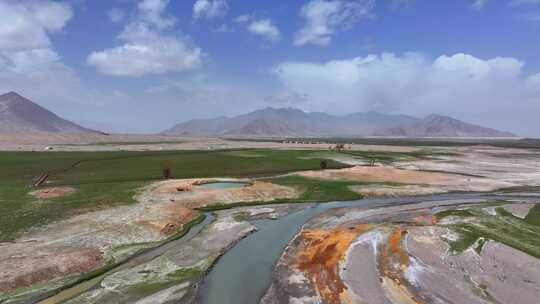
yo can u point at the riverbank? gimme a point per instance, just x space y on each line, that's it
416 253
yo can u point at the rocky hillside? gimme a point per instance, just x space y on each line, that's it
442 126
289 122
18 114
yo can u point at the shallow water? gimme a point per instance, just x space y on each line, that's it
243 274
223 185
143 257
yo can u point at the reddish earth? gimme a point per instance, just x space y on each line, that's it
22 271
320 254
393 261
192 196
173 219
52 192
383 174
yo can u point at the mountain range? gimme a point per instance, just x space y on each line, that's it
18 114
290 122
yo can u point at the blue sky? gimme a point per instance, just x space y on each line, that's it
143 65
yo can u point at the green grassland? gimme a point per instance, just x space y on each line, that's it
316 190
503 227
106 179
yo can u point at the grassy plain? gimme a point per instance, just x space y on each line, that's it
107 179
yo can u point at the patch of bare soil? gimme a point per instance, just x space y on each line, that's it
188 194
52 192
26 269
396 191
519 210
385 174
516 166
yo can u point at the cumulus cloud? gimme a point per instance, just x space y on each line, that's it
265 28
152 11
116 15
460 85
323 18
26 24
27 60
145 49
210 8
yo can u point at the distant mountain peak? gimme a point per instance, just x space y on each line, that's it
289 122
436 125
10 94
19 114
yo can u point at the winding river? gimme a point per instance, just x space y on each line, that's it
243 274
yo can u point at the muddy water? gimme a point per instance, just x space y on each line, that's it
136 260
243 274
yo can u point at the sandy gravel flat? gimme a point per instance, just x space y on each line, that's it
381 174
516 166
139 142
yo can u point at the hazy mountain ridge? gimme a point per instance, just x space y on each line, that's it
18 114
442 126
290 122
294 122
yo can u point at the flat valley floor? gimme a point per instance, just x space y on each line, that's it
267 221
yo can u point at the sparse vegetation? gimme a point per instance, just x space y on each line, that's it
454 212
502 227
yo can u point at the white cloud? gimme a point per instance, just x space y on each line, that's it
479 4
145 49
265 28
323 18
146 52
460 85
116 15
28 60
26 24
152 11
210 8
